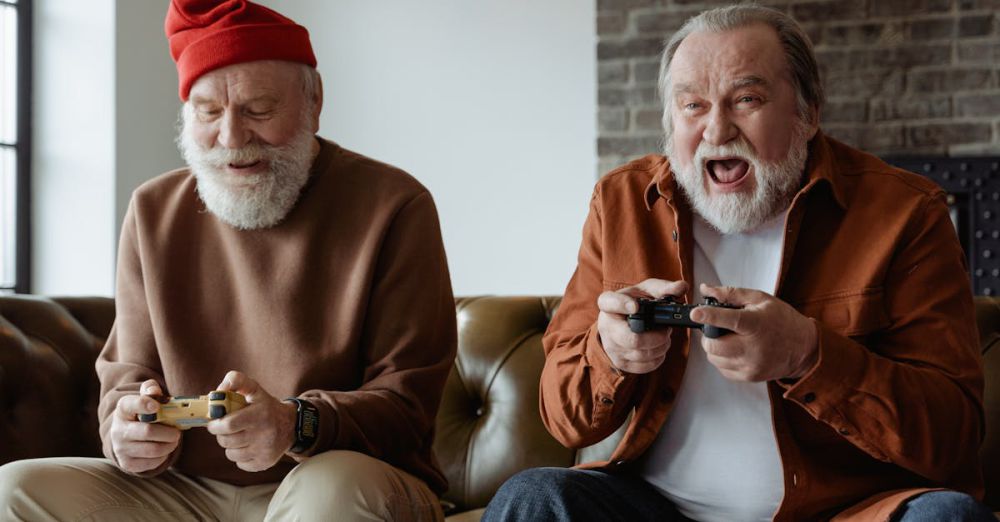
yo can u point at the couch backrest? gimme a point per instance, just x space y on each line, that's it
488 427
48 386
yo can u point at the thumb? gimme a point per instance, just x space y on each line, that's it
239 382
732 295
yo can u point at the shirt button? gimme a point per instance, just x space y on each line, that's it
809 397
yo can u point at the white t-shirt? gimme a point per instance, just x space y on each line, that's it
716 457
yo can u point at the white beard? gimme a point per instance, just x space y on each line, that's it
252 201
775 184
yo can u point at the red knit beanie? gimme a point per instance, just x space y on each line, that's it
206 35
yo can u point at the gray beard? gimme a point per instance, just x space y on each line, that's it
775 184
249 202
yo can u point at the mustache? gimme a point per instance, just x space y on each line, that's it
741 149
220 157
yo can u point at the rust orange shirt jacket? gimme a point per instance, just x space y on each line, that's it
894 405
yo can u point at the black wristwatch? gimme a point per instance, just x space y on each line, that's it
306 424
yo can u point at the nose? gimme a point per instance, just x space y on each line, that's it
719 129
233 132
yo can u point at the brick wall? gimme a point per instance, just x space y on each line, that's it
915 77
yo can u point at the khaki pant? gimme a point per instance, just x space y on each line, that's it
335 485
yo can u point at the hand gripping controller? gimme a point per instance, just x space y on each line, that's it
192 411
666 312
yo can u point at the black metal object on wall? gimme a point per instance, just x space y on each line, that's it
973 186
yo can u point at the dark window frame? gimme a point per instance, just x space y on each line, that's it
22 147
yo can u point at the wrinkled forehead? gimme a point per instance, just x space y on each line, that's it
250 80
711 58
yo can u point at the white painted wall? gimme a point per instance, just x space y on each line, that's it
490 104
146 100
73 147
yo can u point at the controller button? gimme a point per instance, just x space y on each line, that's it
216 396
216 411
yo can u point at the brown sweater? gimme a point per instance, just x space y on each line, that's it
346 303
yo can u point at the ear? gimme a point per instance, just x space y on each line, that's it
318 103
813 121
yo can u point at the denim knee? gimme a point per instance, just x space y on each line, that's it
529 493
943 506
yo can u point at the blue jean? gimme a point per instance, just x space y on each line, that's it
564 495
943 506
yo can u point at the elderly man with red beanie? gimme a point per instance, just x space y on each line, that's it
306 277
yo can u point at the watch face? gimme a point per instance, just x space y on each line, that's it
306 426
309 420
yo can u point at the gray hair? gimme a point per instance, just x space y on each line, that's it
798 50
310 85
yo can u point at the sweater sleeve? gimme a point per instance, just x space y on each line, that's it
129 357
582 397
912 393
408 345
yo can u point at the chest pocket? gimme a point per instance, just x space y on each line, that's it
851 313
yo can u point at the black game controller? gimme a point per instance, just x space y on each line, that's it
666 312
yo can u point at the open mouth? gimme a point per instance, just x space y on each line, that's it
243 166
727 171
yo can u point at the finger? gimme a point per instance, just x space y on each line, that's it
657 288
232 381
725 348
624 301
130 406
230 424
652 340
743 321
640 357
135 465
640 368
617 303
252 465
241 383
151 432
146 450
733 295
150 387
240 455
234 441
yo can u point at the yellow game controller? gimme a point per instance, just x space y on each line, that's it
194 411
